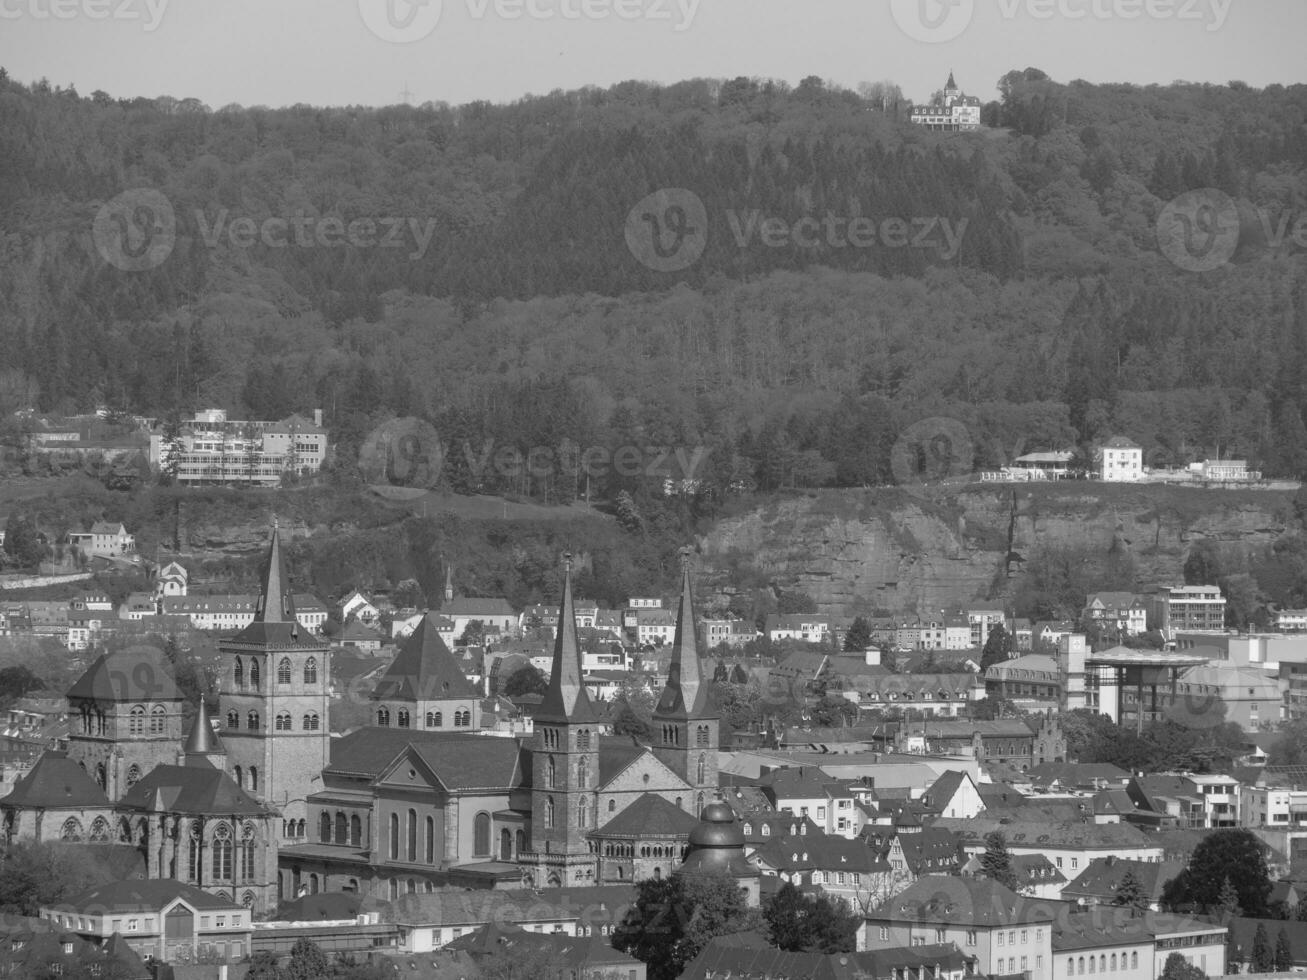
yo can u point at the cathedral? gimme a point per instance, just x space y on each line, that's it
411 803
269 806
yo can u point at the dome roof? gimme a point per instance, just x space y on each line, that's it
717 828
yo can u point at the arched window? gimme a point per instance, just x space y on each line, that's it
254 674
283 722
1070 966
136 720
431 720
431 840
1134 960
402 717
549 811
342 828
703 765
238 673
239 776
157 715
311 722
412 850
551 773
394 836
481 835
233 719
583 739
311 671
221 853
252 721
1092 961
580 813
383 717
1113 962
72 830
582 771
254 779
283 670
612 806
324 827
699 804
133 775
1102 963
519 841
440 720
355 831
680 802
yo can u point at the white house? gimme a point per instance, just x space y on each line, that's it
1120 461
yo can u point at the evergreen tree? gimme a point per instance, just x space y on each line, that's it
1235 855
1178 968
1283 961
858 638
1130 893
1263 960
996 862
998 647
1227 902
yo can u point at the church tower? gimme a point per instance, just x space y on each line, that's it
565 765
685 720
273 701
951 91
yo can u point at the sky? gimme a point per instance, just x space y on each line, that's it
382 52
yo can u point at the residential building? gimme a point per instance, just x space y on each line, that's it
1275 797
1119 460
211 449
1034 682
236 612
104 538
982 621
750 955
1187 607
943 695
1188 800
1070 844
654 626
846 869
360 607
1122 613
1007 933
951 112
588 956
1097 884
165 920
1019 742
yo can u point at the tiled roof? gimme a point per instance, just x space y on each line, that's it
56 782
616 753
134 673
962 901
820 852
149 895
650 816
1030 833
1102 877
457 906
460 760
423 669
197 788
1077 773
726 957
464 606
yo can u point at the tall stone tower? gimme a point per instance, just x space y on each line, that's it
565 765
272 699
685 719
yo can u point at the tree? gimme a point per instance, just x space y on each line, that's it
1178 968
996 862
533 958
1263 960
36 875
1227 902
22 541
673 918
629 721
998 647
474 634
858 638
1283 961
1231 854
801 923
17 681
1130 893
526 680
307 962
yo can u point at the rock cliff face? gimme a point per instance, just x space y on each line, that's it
858 550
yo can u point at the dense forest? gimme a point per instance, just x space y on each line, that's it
526 320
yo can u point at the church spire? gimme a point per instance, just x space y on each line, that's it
686 695
202 739
276 604
566 699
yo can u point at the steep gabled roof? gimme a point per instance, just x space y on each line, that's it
202 739
197 788
650 816
617 753
460 760
56 782
135 673
423 669
149 895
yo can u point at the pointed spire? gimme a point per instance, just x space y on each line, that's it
202 740
449 582
566 698
686 694
276 604
951 84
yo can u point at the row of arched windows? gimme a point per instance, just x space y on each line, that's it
239 775
310 671
347 830
136 719
435 719
238 673
408 846
703 735
284 722
252 720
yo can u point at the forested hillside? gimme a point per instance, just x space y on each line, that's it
526 320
